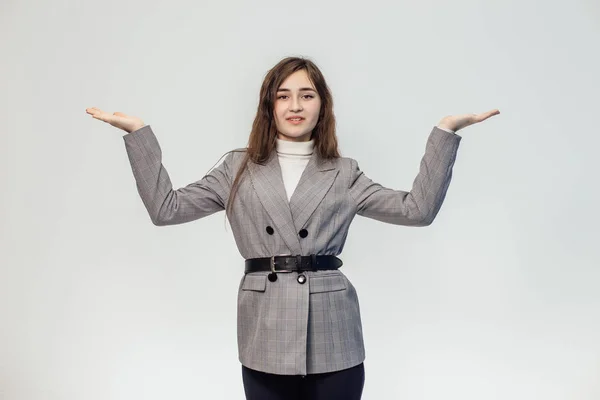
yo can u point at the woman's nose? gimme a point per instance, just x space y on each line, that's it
295 105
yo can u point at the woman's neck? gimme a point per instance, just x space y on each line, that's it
295 149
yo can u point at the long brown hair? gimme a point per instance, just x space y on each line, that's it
262 140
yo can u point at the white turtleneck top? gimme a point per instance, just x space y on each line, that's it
293 158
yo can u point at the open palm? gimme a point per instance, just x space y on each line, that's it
457 122
118 119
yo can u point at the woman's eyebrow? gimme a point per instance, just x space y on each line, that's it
301 89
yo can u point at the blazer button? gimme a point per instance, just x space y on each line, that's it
270 230
303 233
301 279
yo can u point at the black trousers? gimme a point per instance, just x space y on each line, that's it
346 384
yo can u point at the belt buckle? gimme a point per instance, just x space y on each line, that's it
273 270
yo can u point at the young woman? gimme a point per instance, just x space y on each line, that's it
290 198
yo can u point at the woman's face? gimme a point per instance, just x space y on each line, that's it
297 107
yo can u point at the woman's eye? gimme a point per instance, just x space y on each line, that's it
306 96
309 96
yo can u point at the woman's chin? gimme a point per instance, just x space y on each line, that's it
294 136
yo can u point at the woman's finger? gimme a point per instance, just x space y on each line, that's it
102 115
488 114
94 111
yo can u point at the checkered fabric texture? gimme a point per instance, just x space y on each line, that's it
286 327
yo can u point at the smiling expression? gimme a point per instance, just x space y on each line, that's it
297 108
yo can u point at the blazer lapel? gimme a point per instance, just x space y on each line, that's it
268 184
315 182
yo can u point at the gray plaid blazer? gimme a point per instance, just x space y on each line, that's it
285 327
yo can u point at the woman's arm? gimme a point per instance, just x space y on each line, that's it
165 205
420 206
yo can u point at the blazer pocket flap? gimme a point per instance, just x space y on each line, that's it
256 283
326 283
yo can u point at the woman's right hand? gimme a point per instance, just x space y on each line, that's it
122 121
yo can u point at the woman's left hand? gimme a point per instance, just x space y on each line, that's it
457 122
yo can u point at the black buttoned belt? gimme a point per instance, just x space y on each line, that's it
293 263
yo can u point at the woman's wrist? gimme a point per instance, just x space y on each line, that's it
445 128
137 127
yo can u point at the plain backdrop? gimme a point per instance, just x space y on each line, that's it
497 299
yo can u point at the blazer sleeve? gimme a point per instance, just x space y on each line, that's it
420 206
165 205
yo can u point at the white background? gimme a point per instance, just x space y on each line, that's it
497 299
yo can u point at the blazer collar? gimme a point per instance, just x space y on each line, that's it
290 217
315 182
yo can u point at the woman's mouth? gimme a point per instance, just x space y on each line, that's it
295 121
